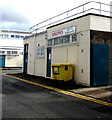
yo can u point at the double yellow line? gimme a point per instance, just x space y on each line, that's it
65 92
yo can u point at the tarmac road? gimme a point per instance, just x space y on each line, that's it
23 100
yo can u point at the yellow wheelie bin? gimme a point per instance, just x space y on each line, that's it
63 71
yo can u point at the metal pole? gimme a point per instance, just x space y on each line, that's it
67 14
49 21
100 8
83 9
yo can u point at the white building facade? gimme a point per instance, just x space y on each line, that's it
11 48
85 42
68 42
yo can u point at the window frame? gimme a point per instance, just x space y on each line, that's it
14 53
40 51
2 52
65 41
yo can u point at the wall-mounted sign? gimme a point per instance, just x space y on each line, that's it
65 31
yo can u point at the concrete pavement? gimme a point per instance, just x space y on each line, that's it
100 92
10 68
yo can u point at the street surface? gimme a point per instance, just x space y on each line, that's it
23 100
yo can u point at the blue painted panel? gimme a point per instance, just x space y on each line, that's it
2 61
25 62
25 58
49 62
100 64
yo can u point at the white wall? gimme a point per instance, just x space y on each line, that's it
30 41
40 66
100 23
11 42
36 65
111 16
72 53
14 61
83 59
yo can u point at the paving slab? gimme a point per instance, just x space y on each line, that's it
101 92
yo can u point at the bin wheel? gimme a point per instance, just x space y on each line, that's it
61 81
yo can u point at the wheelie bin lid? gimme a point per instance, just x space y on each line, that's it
62 64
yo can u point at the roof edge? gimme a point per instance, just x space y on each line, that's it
80 17
43 32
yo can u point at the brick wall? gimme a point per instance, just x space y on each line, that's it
100 37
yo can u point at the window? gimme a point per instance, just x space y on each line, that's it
62 40
66 39
12 36
6 35
25 48
40 51
2 52
17 36
56 41
74 37
14 52
50 42
21 53
9 52
1 35
21 36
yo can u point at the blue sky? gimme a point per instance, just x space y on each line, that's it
22 14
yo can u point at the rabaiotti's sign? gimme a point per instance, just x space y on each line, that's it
64 31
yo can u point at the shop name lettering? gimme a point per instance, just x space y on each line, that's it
64 32
57 33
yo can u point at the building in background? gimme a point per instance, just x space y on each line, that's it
11 48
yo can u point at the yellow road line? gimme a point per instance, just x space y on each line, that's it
65 92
